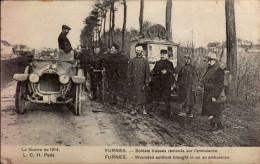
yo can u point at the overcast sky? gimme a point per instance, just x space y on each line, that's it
38 23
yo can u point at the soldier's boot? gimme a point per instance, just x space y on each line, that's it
125 102
144 110
133 110
155 105
168 109
219 127
113 100
190 112
94 96
183 109
219 123
212 123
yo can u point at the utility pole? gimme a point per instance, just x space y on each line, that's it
231 47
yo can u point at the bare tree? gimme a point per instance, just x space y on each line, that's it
112 21
141 16
124 25
104 26
231 47
110 26
168 20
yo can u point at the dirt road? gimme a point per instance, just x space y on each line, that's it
106 125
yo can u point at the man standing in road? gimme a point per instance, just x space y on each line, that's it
187 83
163 71
64 43
112 62
117 74
138 75
213 82
96 64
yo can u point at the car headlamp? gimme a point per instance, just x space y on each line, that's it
34 78
64 79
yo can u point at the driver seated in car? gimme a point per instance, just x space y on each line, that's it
65 48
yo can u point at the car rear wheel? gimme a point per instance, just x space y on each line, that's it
78 100
20 97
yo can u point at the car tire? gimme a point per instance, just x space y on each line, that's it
78 100
20 97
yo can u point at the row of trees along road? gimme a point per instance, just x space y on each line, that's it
95 32
95 24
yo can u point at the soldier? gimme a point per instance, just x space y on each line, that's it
213 82
163 71
64 43
138 75
187 80
117 74
112 62
96 62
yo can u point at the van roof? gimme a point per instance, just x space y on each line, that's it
152 41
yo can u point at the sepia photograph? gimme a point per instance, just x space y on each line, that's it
130 81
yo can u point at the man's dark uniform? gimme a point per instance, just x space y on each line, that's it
187 83
117 75
96 62
64 42
163 82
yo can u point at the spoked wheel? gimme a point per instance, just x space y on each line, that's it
78 100
20 97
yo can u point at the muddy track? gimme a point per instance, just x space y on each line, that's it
184 131
105 125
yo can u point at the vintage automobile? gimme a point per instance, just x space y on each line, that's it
51 78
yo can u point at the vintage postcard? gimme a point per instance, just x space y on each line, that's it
130 81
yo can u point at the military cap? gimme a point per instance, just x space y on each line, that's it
96 46
212 55
163 51
140 46
66 27
187 57
116 46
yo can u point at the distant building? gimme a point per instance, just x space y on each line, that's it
6 50
254 49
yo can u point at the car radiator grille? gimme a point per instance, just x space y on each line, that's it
50 83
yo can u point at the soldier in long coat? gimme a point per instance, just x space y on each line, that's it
164 79
187 83
138 75
121 76
213 82
116 73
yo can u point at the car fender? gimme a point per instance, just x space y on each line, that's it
21 76
78 79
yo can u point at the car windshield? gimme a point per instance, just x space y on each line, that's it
50 54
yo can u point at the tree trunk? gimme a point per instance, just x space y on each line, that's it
104 28
141 16
168 20
231 47
124 25
113 20
110 22
100 28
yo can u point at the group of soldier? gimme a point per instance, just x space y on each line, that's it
132 80
129 79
